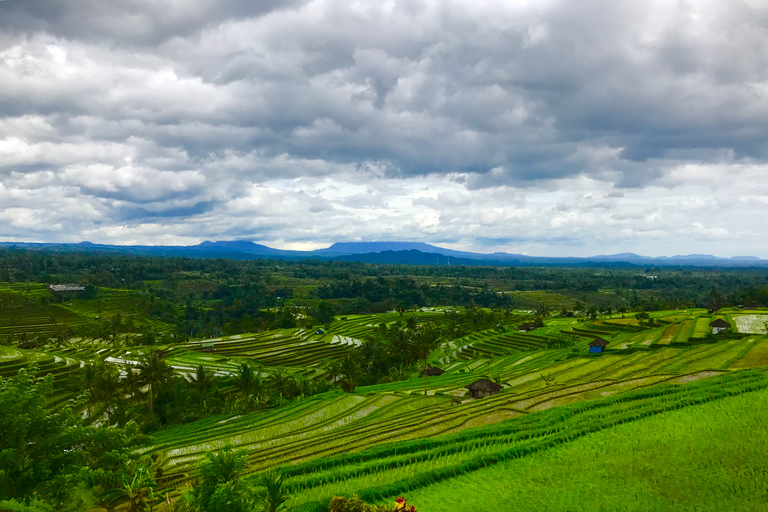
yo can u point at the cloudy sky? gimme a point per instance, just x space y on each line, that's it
543 127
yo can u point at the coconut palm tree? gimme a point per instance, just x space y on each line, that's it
425 340
370 350
351 373
202 382
131 381
154 372
400 343
89 377
274 495
245 379
109 386
280 381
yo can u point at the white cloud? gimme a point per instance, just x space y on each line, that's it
535 127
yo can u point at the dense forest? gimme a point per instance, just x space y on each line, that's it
210 297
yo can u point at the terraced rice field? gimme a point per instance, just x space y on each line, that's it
702 328
384 413
36 319
751 324
697 467
533 299
286 347
669 334
387 439
413 468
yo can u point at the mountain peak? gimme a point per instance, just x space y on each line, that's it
245 246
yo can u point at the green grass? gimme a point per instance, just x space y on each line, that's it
706 457
383 472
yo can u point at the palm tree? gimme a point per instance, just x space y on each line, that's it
351 373
425 340
304 386
400 343
90 382
201 382
274 496
154 372
280 381
109 386
370 350
224 465
245 379
332 370
120 414
398 373
131 382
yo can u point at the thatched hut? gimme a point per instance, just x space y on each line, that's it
434 371
719 326
597 346
482 388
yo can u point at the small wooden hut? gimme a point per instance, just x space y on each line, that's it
598 346
434 371
526 327
482 388
719 326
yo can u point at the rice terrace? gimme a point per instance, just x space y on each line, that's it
198 384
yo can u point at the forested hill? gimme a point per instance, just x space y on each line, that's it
409 253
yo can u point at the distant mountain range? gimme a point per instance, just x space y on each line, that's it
411 253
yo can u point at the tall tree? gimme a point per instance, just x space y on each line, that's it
48 451
246 380
131 381
274 496
202 382
89 377
154 372
220 488
282 382
425 340
350 373
109 385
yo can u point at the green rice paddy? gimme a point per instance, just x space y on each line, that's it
628 429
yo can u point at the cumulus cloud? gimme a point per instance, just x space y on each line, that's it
511 126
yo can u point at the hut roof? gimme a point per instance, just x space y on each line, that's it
484 385
527 327
433 371
66 288
719 323
599 342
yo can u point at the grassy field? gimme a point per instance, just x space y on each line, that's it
331 424
431 472
703 458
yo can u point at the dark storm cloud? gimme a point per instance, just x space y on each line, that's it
456 90
127 22
165 109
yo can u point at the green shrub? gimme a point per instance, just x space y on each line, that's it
31 506
354 504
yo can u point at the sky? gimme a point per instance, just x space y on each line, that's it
545 127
